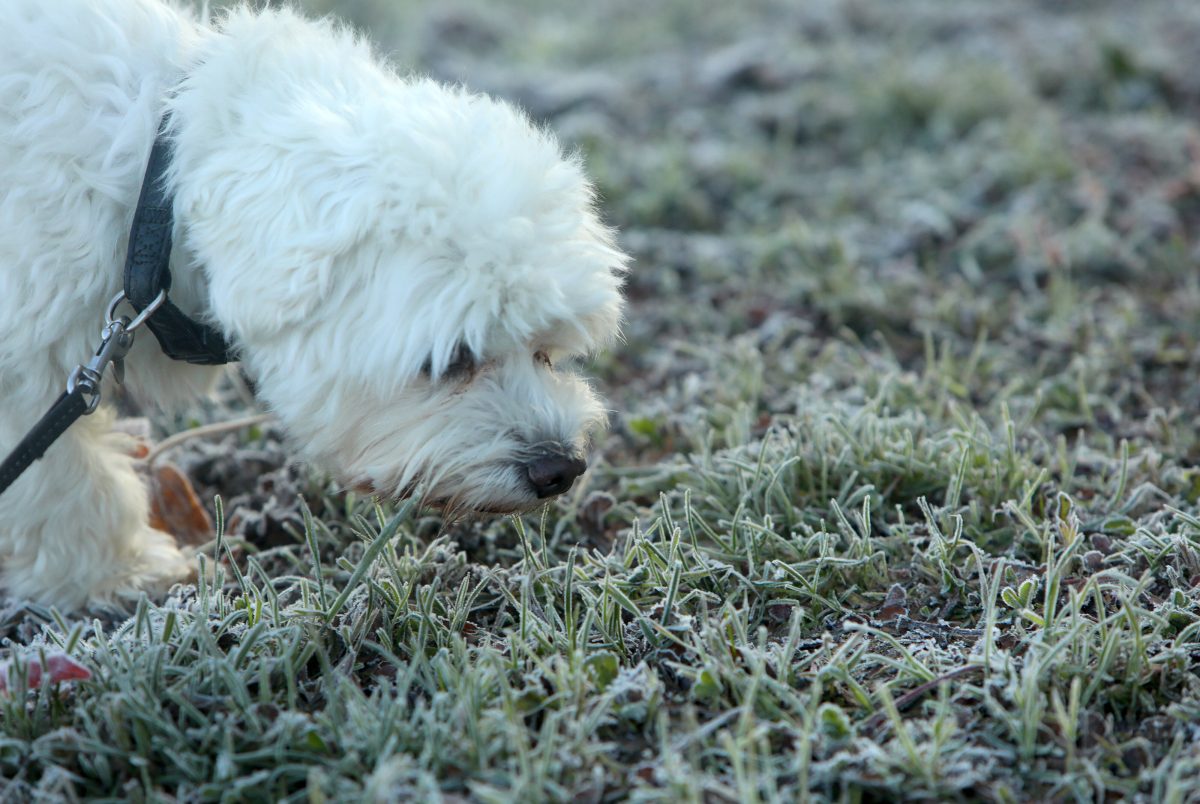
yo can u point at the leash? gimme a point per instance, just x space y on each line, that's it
147 281
83 389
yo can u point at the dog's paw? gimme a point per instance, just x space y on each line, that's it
155 563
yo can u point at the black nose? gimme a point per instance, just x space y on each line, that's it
554 474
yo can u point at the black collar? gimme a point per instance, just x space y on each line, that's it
148 272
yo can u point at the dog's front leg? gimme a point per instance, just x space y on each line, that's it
74 528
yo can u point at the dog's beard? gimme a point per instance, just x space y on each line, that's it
455 505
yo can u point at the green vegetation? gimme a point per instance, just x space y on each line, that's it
901 498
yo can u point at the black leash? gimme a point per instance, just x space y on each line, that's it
62 414
82 394
147 281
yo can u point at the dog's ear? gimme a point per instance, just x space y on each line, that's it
271 254
264 168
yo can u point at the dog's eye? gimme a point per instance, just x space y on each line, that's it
462 363
461 366
543 358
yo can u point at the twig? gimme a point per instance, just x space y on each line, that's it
217 428
912 696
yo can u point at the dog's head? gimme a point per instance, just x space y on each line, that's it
408 269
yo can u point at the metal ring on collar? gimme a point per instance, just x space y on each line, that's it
111 315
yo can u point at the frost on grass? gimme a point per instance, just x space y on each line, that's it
900 499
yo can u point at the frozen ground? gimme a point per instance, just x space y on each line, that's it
900 497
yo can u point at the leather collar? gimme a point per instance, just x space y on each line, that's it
148 272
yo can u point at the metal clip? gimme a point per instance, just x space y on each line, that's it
116 341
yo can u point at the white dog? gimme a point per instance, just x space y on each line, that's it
403 267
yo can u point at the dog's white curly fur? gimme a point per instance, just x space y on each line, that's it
399 262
